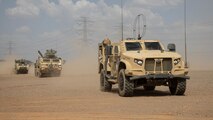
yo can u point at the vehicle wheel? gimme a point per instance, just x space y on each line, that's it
149 88
125 86
56 75
178 86
40 75
59 74
35 71
16 72
105 86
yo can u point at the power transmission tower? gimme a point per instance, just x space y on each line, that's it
85 29
10 47
85 22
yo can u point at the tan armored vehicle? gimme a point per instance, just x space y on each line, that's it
21 66
134 63
48 65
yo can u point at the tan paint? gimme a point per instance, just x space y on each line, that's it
133 69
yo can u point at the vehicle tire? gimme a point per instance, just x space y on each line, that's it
125 86
35 71
105 86
59 74
178 86
56 75
149 88
40 75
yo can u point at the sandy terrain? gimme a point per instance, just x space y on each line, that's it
77 97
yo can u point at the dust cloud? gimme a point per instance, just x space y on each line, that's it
83 64
7 66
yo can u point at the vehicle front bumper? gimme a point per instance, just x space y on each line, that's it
22 69
159 76
50 70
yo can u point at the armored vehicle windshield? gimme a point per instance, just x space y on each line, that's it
153 46
133 46
22 63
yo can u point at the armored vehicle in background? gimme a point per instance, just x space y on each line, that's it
48 65
133 63
21 66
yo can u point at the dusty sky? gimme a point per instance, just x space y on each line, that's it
33 25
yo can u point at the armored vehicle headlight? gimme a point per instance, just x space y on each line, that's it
177 61
139 62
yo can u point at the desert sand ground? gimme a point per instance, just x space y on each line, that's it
77 96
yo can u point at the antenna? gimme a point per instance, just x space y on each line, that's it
122 21
186 63
138 22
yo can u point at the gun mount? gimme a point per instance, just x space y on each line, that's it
40 54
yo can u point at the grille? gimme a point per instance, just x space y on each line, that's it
165 62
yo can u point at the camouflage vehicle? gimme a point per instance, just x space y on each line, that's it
133 63
48 65
21 66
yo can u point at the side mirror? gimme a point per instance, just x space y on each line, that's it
108 50
171 47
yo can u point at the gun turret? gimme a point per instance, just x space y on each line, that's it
40 54
50 54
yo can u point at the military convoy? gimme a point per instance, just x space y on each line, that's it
21 66
132 63
49 64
